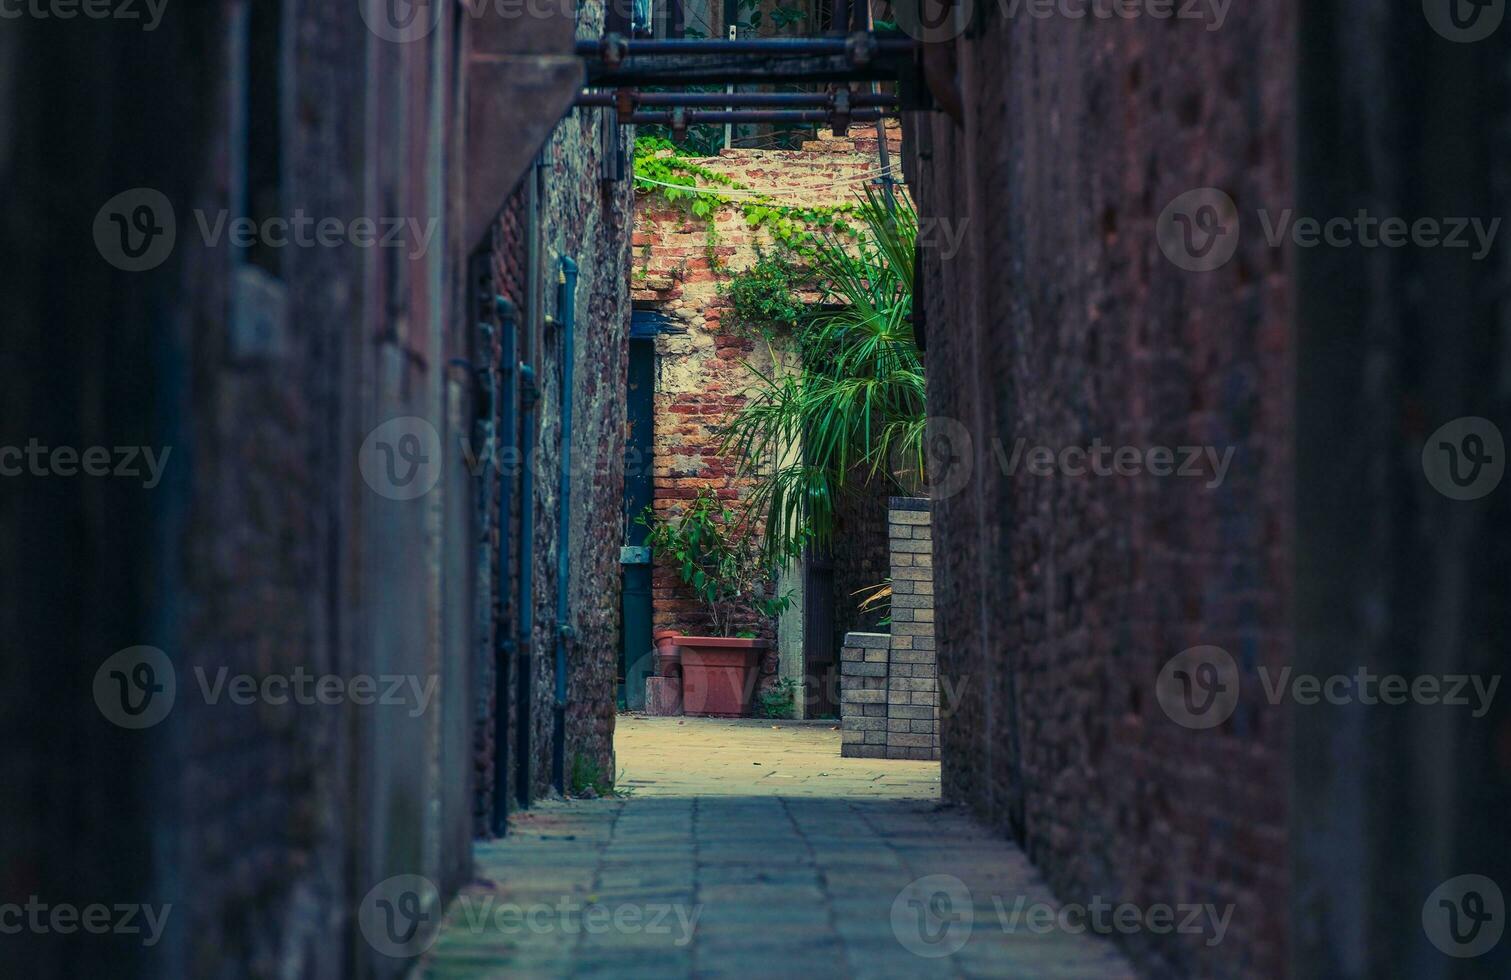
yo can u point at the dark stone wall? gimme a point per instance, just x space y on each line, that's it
587 220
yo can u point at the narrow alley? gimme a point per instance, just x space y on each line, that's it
755 488
743 848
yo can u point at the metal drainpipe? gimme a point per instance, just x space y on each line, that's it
504 436
525 670
525 681
567 314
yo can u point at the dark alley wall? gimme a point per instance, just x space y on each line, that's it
587 219
1323 549
272 544
1060 323
1393 344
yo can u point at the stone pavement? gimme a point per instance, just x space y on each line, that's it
804 865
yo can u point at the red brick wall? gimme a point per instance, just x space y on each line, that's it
702 372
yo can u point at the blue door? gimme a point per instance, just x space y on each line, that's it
634 654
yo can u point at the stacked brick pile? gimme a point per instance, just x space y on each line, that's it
889 685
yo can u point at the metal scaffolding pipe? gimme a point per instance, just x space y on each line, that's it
693 117
788 100
616 48
637 74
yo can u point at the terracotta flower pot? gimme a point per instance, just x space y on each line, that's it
719 674
668 657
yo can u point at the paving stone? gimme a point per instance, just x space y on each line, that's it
790 868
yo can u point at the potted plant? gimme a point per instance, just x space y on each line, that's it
719 556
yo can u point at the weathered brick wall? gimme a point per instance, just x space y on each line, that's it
589 221
863 695
889 690
681 266
913 695
581 217
263 551
1060 322
507 272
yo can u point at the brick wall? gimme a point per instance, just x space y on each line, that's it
589 221
263 551
889 687
681 265
1061 597
1061 323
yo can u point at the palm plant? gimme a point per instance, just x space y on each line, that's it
856 404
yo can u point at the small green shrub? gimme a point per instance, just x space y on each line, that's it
586 775
778 701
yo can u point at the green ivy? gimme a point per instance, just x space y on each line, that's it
764 295
665 168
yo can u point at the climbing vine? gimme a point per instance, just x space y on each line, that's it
663 167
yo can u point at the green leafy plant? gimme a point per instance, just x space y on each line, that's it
777 701
764 296
856 404
586 775
718 553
